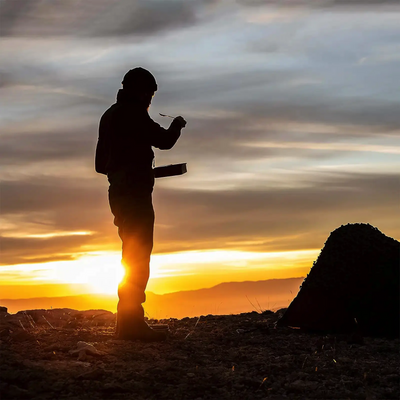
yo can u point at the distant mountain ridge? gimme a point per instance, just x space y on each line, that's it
224 298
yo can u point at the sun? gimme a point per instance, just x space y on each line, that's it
109 273
101 272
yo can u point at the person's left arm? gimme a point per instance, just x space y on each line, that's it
162 138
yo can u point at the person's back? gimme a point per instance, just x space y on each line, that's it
124 153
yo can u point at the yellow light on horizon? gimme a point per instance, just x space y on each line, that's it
48 235
102 271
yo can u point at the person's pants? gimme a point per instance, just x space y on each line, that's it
134 217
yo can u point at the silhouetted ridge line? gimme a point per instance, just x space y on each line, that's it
229 298
353 285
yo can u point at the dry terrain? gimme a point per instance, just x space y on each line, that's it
66 354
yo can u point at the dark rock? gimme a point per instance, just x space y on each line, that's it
4 331
114 387
22 336
267 312
15 392
352 287
95 375
3 309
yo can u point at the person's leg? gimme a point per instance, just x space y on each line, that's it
135 220
136 232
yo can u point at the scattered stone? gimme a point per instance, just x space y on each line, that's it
84 349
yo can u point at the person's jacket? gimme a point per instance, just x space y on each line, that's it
124 148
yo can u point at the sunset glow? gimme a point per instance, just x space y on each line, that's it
100 272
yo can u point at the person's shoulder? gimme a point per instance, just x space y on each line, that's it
110 110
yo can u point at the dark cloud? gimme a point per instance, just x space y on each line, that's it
54 205
219 217
336 111
269 95
47 193
38 250
362 2
91 18
57 204
280 218
316 3
27 148
43 18
28 73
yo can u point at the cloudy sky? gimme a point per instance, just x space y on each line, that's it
293 129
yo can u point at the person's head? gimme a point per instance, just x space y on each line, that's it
140 83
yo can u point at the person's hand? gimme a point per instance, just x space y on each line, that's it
181 121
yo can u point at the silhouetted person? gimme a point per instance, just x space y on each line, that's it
124 153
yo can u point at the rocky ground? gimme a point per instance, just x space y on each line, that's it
66 354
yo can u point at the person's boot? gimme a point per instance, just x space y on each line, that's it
133 328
